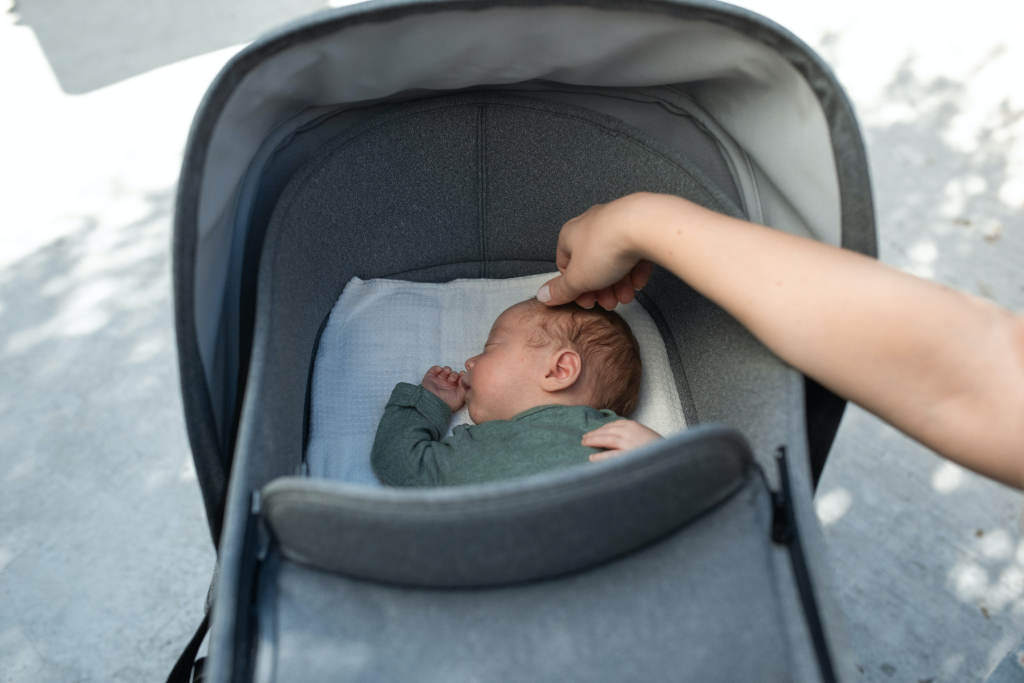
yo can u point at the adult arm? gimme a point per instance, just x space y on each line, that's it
942 366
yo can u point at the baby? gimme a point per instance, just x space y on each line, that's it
547 377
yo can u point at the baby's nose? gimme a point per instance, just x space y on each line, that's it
470 362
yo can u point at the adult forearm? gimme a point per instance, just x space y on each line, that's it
942 366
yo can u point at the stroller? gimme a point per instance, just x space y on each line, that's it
434 140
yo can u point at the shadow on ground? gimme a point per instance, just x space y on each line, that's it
938 180
100 573
929 559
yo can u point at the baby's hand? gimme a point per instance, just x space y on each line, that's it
618 437
446 384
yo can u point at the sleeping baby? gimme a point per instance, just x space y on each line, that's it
547 391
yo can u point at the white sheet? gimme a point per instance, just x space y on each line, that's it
381 332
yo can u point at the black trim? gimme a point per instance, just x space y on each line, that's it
187 665
254 545
786 531
307 409
210 462
824 411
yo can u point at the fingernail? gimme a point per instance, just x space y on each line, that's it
544 294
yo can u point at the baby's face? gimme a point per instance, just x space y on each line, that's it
505 379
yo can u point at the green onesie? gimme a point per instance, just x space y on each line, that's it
408 450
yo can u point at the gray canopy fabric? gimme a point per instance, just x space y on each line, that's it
481 583
768 93
476 185
442 139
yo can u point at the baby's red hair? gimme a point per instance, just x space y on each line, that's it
610 353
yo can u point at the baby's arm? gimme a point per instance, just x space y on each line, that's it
618 437
407 450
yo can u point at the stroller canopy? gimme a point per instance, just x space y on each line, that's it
442 139
764 90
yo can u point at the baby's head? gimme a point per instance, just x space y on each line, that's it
538 355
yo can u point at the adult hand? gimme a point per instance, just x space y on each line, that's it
598 260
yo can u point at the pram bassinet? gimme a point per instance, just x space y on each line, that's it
435 140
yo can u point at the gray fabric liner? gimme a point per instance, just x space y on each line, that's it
521 530
815 551
686 401
191 280
313 246
674 121
252 468
308 260
504 270
309 272
703 604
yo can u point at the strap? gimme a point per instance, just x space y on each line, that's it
182 671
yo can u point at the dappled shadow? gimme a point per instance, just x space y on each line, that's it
97 481
938 177
84 295
93 44
929 559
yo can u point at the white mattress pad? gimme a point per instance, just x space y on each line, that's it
381 332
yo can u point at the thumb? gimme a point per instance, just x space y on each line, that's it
556 292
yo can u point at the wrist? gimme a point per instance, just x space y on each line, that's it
438 396
651 215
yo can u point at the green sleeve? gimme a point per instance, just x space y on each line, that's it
407 450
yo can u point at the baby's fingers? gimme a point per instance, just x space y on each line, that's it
606 436
454 379
604 455
620 435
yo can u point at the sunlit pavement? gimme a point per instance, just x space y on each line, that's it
104 553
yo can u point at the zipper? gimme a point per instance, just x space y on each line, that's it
785 531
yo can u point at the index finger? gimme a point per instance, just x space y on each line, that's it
640 274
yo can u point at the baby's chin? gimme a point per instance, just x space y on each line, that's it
474 414
478 415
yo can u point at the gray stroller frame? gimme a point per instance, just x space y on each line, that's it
447 139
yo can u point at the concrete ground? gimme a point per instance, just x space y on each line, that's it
104 553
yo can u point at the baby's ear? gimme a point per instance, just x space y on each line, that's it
563 370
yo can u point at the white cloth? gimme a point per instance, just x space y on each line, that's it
381 332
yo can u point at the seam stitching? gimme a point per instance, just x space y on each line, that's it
481 175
